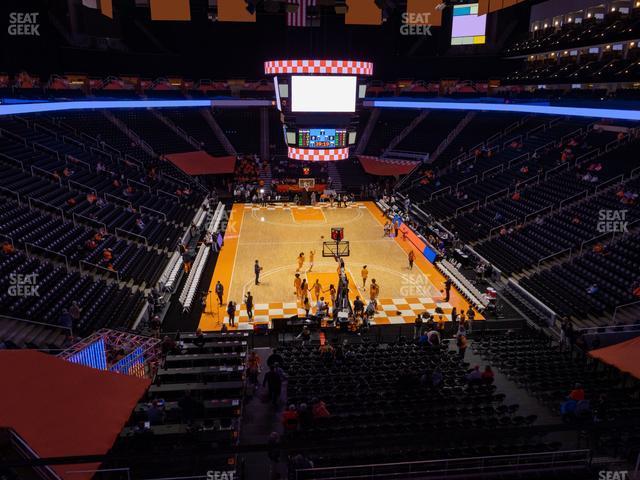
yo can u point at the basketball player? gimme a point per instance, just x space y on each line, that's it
297 283
412 258
256 270
364 273
300 261
312 254
304 289
317 289
374 290
332 294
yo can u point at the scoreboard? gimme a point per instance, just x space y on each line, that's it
322 138
319 103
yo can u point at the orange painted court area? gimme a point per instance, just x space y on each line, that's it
276 234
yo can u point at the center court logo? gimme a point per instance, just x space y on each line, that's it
23 285
24 24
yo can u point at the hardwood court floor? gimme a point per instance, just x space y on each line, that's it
275 235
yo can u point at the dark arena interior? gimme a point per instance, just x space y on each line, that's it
320 239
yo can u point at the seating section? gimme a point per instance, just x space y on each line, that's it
428 134
34 230
103 304
162 138
375 391
242 128
549 374
565 288
566 229
195 401
193 123
390 123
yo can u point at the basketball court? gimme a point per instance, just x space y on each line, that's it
276 234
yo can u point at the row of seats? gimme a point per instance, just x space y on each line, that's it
103 304
78 243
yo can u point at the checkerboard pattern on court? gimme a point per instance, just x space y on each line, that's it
391 311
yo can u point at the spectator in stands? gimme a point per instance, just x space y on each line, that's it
275 358
417 327
290 419
305 334
8 248
140 224
577 393
488 376
107 255
273 382
156 413
474 376
461 343
447 289
168 345
273 453
189 407
66 320
593 289
319 409
253 368
75 311
199 340
358 306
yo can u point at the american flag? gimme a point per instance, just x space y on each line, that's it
299 18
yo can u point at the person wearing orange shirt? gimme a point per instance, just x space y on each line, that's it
297 283
364 273
374 290
107 255
304 290
412 258
317 289
7 248
300 261
312 254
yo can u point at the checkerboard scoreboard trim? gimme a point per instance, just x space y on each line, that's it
340 67
322 155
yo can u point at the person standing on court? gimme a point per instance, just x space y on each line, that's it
312 254
447 289
219 292
374 290
300 261
231 312
248 302
256 270
412 258
364 273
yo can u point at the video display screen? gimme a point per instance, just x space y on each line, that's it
323 93
468 28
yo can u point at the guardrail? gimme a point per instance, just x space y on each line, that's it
553 255
30 247
47 174
610 182
454 467
128 233
13 160
500 227
538 212
442 190
99 268
584 193
143 185
153 212
635 172
163 192
51 325
498 168
468 206
473 179
550 314
594 239
501 193
31 201
116 199
43 148
89 220
636 305
519 158
564 166
11 193
81 186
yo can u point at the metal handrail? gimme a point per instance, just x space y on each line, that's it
553 255
467 206
100 267
619 307
128 232
33 245
9 317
